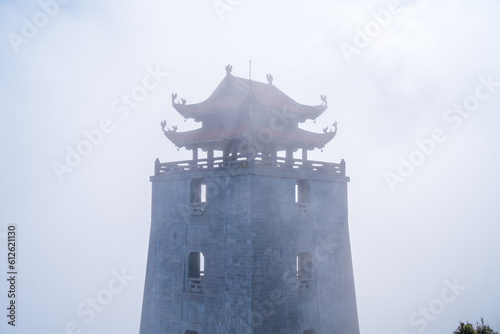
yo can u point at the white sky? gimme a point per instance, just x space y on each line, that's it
440 224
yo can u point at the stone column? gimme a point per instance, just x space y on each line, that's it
210 156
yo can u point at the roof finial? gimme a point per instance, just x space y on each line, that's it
269 79
229 68
323 98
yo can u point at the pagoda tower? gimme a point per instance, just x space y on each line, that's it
249 239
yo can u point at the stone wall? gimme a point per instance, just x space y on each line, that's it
250 233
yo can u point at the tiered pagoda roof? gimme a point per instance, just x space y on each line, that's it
242 112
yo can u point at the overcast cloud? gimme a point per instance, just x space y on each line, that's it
415 229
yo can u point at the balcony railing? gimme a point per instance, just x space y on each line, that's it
195 285
198 208
246 161
302 209
304 285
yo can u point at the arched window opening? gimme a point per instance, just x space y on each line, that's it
196 272
302 191
198 197
302 196
305 267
